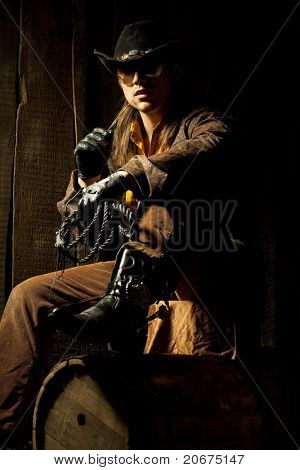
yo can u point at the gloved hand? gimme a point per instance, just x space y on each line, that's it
111 187
92 151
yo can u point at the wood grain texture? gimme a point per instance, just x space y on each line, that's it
8 106
83 413
81 51
45 133
104 93
157 401
84 405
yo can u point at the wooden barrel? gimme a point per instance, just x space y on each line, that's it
110 401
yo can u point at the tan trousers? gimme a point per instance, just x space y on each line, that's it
25 339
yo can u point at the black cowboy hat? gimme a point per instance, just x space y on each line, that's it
139 42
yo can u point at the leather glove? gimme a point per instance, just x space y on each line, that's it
92 152
111 187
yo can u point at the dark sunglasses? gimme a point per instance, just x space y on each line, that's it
148 70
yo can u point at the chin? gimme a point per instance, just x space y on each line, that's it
146 107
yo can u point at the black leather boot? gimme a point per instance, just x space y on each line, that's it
120 316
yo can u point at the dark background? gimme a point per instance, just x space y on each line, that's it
237 67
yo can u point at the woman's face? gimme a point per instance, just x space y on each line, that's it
145 93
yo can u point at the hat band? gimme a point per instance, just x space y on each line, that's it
133 53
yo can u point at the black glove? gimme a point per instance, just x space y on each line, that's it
92 152
108 188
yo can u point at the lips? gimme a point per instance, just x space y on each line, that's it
142 91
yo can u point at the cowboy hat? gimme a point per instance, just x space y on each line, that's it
138 43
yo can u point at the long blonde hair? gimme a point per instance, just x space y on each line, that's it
122 146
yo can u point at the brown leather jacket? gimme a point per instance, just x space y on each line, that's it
200 136
194 166
197 145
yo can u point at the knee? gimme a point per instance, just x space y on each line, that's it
16 303
24 312
26 302
28 293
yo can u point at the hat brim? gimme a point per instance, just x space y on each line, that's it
169 52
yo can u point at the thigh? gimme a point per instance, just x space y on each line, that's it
40 294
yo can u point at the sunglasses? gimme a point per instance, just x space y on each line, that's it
150 70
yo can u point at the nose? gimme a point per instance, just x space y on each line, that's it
137 78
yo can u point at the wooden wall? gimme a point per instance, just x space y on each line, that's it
53 92
38 90
8 107
44 54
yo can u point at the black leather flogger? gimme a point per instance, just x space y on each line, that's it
120 316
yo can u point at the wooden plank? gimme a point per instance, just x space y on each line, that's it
88 395
62 424
173 402
80 51
76 406
45 133
82 397
52 444
8 106
103 98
